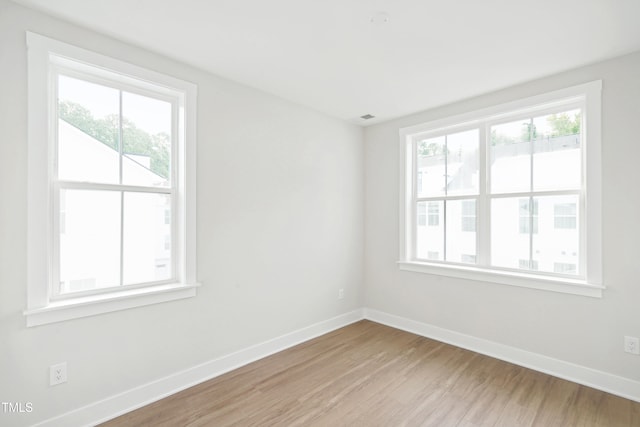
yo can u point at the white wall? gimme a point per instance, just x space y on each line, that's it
280 209
580 330
280 199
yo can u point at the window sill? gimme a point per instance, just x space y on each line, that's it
554 284
59 311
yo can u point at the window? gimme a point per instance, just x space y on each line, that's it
565 216
433 255
468 259
564 267
111 199
434 214
511 190
428 214
528 216
422 215
526 264
468 216
448 168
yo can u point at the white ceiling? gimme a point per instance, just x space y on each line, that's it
330 56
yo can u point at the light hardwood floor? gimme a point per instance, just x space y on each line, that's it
367 374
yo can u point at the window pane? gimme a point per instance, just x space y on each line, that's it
89 240
147 238
461 230
430 234
462 162
431 167
556 158
88 131
556 244
146 132
508 244
511 157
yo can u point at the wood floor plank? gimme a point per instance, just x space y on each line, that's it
370 375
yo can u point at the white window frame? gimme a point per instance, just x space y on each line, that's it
44 55
589 281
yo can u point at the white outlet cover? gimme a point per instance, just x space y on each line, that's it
632 345
58 373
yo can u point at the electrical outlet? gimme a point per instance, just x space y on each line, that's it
632 345
58 373
340 293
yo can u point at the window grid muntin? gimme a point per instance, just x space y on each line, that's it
483 199
57 185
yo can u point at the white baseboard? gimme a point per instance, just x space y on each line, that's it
604 381
129 400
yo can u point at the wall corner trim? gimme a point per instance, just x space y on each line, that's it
604 381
